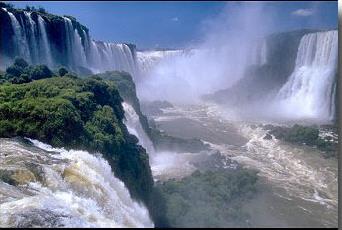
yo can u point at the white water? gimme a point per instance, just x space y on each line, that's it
77 189
20 37
35 53
75 49
44 40
298 174
310 90
113 56
182 77
259 53
36 48
147 60
165 164
134 127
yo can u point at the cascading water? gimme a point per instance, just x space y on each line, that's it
33 40
310 90
20 40
52 187
111 56
259 53
35 45
149 59
75 49
134 127
44 41
164 165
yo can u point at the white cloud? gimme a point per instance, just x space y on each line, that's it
303 12
175 19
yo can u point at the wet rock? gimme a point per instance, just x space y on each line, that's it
268 137
40 218
17 176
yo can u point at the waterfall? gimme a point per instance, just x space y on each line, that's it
164 164
61 188
134 127
263 53
33 42
75 49
20 40
259 53
44 41
310 90
149 59
111 56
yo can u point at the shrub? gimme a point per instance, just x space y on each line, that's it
62 71
40 72
14 71
20 62
208 199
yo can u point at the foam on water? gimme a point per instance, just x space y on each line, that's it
78 189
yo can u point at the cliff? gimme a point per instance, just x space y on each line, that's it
43 38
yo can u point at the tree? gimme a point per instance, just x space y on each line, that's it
62 71
40 72
14 70
20 62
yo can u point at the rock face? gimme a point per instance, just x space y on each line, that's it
43 38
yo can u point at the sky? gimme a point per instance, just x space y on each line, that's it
152 25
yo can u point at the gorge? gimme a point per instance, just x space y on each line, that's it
239 132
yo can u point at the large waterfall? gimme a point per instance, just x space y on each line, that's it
310 90
147 60
43 186
34 38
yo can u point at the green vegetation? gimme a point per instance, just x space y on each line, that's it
21 72
297 134
161 141
79 113
308 135
209 199
62 71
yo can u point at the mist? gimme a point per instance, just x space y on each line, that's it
216 62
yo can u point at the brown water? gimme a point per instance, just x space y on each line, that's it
297 187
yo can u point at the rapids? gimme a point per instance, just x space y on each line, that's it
52 187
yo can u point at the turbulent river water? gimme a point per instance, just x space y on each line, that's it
298 187
43 186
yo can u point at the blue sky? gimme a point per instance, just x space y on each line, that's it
175 24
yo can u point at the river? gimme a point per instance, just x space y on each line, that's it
297 186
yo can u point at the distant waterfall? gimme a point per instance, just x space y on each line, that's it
310 90
34 42
259 53
149 59
61 188
111 56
